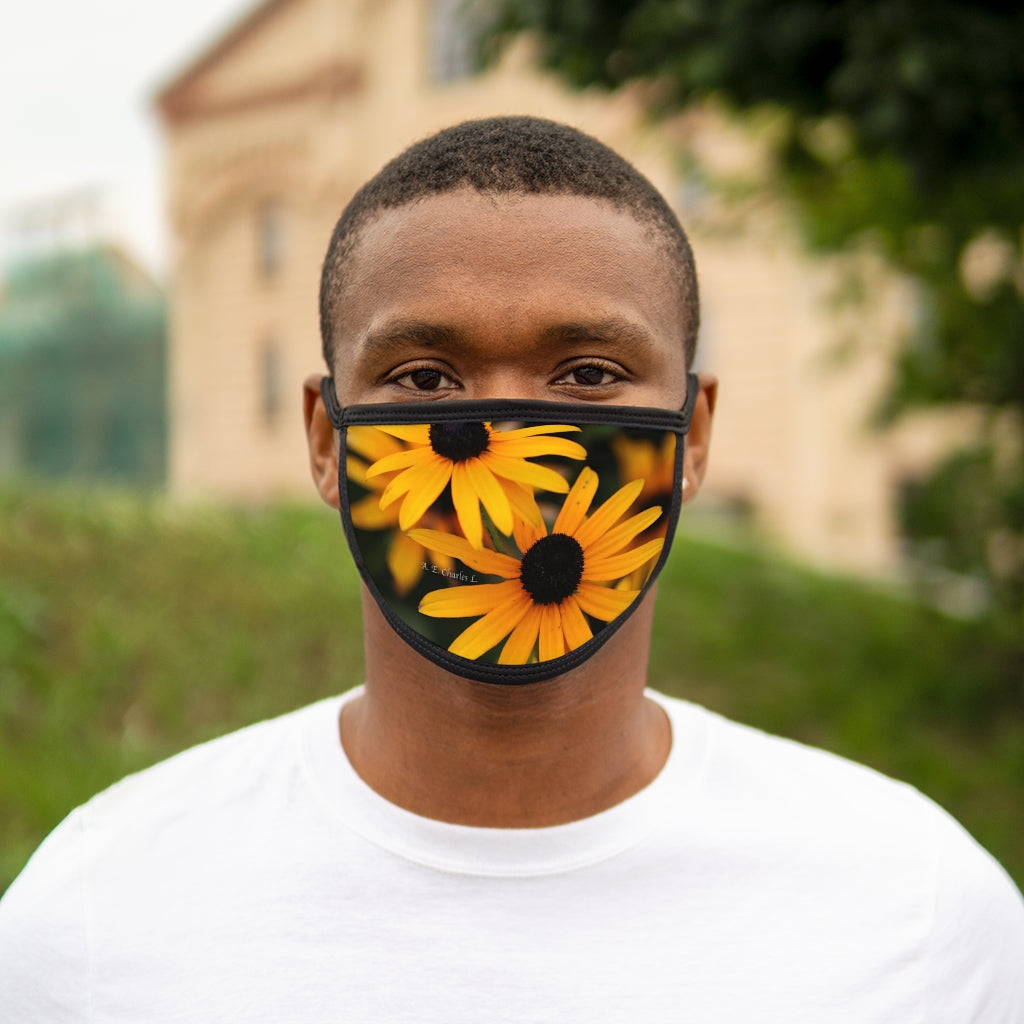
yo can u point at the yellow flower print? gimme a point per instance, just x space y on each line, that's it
404 558
485 467
541 605
641 459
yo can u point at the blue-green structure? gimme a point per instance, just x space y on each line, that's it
82 369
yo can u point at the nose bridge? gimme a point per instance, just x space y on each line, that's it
505 357
513 375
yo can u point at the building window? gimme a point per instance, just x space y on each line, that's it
271 383
270 239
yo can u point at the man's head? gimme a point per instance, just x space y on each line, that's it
510 258
509 157
505 259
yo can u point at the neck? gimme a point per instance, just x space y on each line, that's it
506 756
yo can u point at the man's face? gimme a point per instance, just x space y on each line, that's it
467 296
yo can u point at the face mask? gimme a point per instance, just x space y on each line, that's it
507 541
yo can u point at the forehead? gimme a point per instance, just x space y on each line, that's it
524 259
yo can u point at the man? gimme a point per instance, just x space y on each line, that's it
503 824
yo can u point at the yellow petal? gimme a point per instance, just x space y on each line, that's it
519 646
551 639
409 478
617 538
533 447
416 433
576 503
467 505
400 460
355 470
491 494
405 560
371 443
614 567
636 458
489 631
541 477
523 503
368 515
575 627
465 601
608 514
655 464
430 482
395 489
527 534
492 563
603 602
555 428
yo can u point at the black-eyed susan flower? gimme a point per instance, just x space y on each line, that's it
541 606
405 558
366 446
485 467
642 459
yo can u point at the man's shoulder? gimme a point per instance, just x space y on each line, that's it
158 846
216 770
751 760
783 786
208 784
822 840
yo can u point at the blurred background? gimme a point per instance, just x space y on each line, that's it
852 179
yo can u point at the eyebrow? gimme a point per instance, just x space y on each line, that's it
401 332
610 330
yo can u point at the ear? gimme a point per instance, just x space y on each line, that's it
321 440
698 440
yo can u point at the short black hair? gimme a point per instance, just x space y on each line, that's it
508 156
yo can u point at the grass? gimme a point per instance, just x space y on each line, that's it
132 628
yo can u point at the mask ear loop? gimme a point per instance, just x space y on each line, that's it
689 403
330 400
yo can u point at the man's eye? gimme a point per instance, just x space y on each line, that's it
424 380
590 375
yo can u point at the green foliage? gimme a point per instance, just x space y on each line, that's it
130 629
896 122
969 516
937 86
82 370
932 700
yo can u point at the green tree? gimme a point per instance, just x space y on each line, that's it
899 121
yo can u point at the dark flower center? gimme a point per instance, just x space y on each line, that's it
551 570
459 441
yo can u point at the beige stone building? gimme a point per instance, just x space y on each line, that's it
270 131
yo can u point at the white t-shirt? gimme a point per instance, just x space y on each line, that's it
257 878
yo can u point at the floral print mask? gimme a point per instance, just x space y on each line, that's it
506 541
